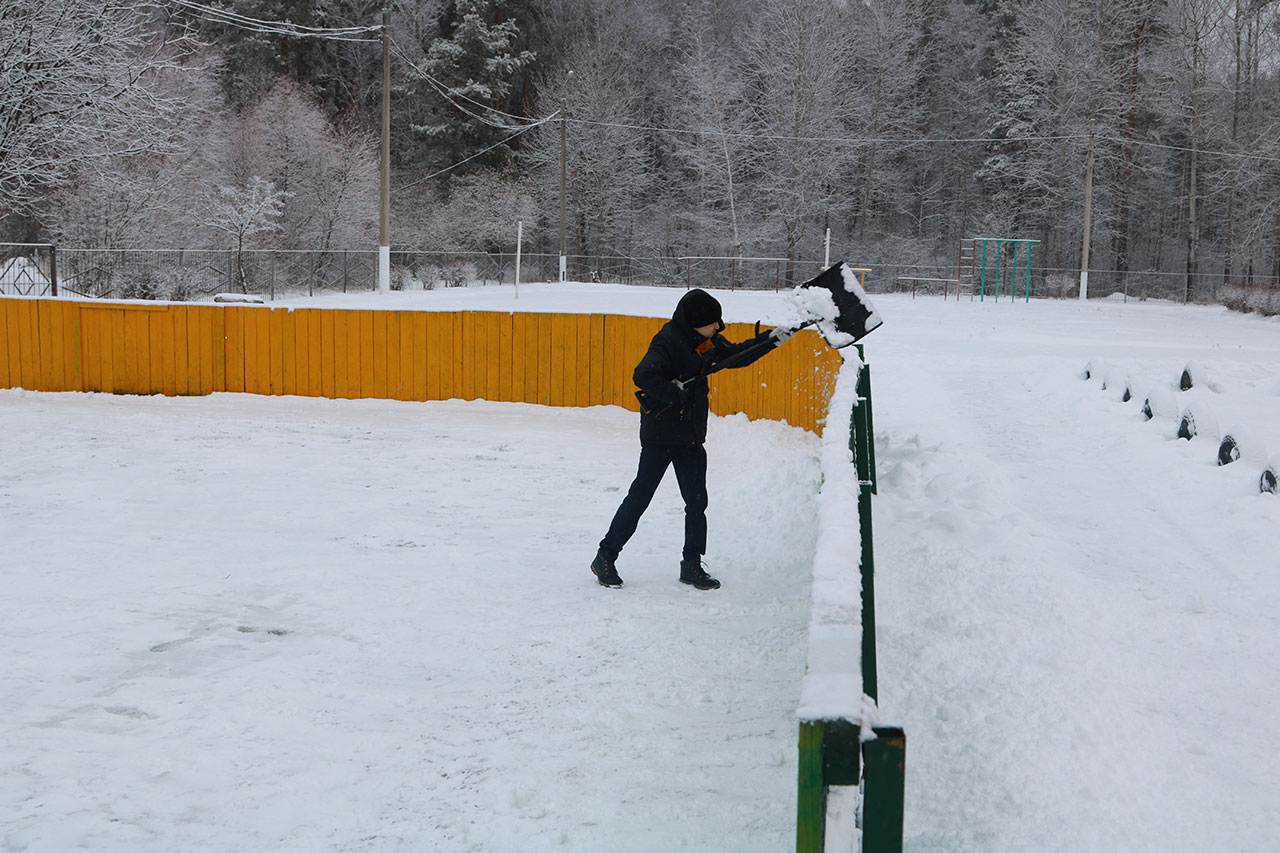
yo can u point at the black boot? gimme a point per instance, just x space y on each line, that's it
692 573
604 570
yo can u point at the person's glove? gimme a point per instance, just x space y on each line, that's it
781 335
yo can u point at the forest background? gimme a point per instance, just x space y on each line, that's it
691 128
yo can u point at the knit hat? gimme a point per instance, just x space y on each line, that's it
700 308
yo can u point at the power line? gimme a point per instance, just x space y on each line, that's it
450 168
229 18
859 140
443 91
907 141
439 85
1244 155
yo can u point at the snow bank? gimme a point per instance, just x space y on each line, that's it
832 686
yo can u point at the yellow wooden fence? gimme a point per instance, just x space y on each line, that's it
550 359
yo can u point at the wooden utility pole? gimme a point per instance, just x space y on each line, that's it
384 225
564 156
1088 223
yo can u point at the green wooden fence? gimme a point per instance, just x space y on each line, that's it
832 751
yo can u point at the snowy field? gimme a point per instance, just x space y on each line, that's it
1079 614
239 623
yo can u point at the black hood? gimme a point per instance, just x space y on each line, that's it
697 308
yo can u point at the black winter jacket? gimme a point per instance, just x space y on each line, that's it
673 416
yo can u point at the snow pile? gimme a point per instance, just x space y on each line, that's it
832 687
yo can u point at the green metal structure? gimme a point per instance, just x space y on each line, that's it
999 247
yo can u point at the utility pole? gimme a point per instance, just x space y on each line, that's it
384 225
1088 223
564 109
562 168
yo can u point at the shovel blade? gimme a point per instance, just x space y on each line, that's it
855 316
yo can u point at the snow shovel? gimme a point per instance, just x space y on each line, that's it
837 305
847 316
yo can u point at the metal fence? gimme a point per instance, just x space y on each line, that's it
28 269
1243 292
186 274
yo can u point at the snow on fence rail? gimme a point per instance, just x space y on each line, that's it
180 275
840 744
143 347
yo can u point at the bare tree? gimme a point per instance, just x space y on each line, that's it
80 86
245 213
802 100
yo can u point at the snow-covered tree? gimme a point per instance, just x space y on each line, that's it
78 86
246 212
475 64
330 175
802 103
147 199
711 122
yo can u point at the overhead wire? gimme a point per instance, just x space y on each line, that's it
446 92
450 168
230 18
400 52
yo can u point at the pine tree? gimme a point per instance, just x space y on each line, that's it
477 63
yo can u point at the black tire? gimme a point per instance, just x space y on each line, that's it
1187 426
1228 451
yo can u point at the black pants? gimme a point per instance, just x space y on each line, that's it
690 462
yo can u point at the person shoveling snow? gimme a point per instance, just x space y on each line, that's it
673 393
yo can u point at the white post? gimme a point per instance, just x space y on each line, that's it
562 268
519 246
826 253
384 269
1088 224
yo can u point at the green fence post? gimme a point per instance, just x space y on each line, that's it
861 436
1013 274
982 291
811 800
1030 246
885 766
999 269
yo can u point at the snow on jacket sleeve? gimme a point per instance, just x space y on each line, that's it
655 371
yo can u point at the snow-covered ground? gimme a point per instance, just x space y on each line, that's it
239 623
1079 613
